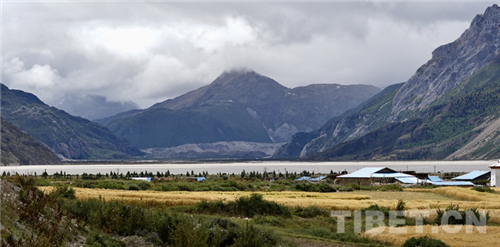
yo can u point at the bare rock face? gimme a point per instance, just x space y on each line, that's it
450 64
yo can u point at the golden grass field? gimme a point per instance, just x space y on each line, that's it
476 237
425 201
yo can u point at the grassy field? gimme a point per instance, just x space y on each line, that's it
420 200
461 238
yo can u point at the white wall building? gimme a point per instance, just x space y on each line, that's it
495 175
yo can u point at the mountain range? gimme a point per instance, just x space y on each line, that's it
91 106
68 136
239 105
449 109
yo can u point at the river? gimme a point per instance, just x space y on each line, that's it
237 167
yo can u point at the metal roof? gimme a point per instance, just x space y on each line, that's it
452 183
302 178
471 175
311 179
435 179
392 175
408 180
367 172
317 179
142 178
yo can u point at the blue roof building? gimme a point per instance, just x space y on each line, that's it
310 179
371 175
474 176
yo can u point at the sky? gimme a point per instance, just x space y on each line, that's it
147 52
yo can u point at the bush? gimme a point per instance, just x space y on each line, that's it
99 239
106 184
132 187
483 189
244 206
424 242
391 187
63 191
311 212
376 207
144 185
463 215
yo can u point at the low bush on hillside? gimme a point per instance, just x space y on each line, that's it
311 212
244 206
451 212
315 187
424 242
483 189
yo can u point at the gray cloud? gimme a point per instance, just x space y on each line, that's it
149 52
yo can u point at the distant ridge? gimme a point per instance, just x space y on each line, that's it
67 136
239 105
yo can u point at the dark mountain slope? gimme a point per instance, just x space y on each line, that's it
471 109
341 128
19 148
66 135
160 127
244 105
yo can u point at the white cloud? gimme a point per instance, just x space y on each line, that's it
149 52
41 77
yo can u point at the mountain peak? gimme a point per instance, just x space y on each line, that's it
451 64
233 73
490 17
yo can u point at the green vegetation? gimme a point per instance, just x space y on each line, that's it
424 242
456 216
72 137
244 206
98 222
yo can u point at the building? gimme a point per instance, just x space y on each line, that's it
435 180
376 175
474 176
310 179
495 175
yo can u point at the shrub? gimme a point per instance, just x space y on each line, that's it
63 191
251 236
311 212
376 207
463 215
483 189
144 185
401 205
391 187
107 184
255 205
424 242
99 239
244 206
132 187
268 220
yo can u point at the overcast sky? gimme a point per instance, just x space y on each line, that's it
148 52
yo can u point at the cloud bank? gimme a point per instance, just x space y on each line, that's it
148 52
